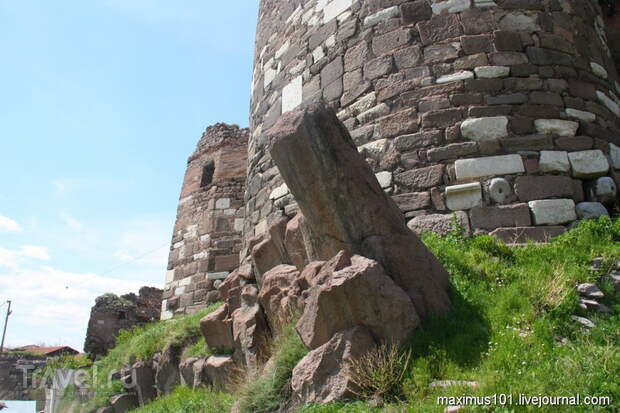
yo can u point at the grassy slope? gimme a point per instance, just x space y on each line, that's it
141 343
509 329
511 310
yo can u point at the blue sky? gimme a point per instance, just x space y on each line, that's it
101 103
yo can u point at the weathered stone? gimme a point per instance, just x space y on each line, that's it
489 218
384 178
520 235
590 290
422 178
216 328
316 139
580 115
554 161
482 129
490 166
143 382
465 196
123 403
280 295
405 143
553 211
442 27
588 164
322 376
614 155
295 241
452 6
219 370
382 15
574 143
439 223
499 190
452 151
375 149
251 333
167 375
186 368
591 210
361 294
603 190
491 72
556 127
608 103
462 75
412 201
531 188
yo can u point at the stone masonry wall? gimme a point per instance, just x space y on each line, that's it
207 234
111 314
505 112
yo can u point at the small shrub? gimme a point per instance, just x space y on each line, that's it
379 373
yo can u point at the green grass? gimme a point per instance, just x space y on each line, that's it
185 400
510 329
267 392
141 343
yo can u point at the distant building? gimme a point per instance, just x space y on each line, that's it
55 351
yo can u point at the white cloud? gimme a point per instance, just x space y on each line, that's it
53 306
36 252
71 222
13 258
8 225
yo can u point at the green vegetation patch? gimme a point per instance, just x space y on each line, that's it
267 392
185 400
510 327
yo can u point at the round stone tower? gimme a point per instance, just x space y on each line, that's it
207 233
504 112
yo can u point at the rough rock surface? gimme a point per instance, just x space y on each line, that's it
322 375
281 294
329 199
361 294
216 328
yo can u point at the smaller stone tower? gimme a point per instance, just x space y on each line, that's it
207 233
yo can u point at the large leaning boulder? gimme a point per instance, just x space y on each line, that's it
216 327
345 207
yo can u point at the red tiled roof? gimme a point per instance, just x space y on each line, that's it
46 350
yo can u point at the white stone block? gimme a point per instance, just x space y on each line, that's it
485 129
588 164
330 41
465 196
556 127
230 211
554 161
363 104
217 275
598 70
222 203
484 3
374 149
169 276
283 49
385 179
292 94
373 113
580 114
474 168
318 54
553 211
179 290
453 77
334 8
185 282
382 15
453 6
609 104
279 192
238 224
268 77
614 155
261 227
491 72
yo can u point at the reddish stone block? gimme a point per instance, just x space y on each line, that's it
489 218
422 178
441 118
477 43
531 188
439 27
390 41
412 201
416 11
574 143
507 41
